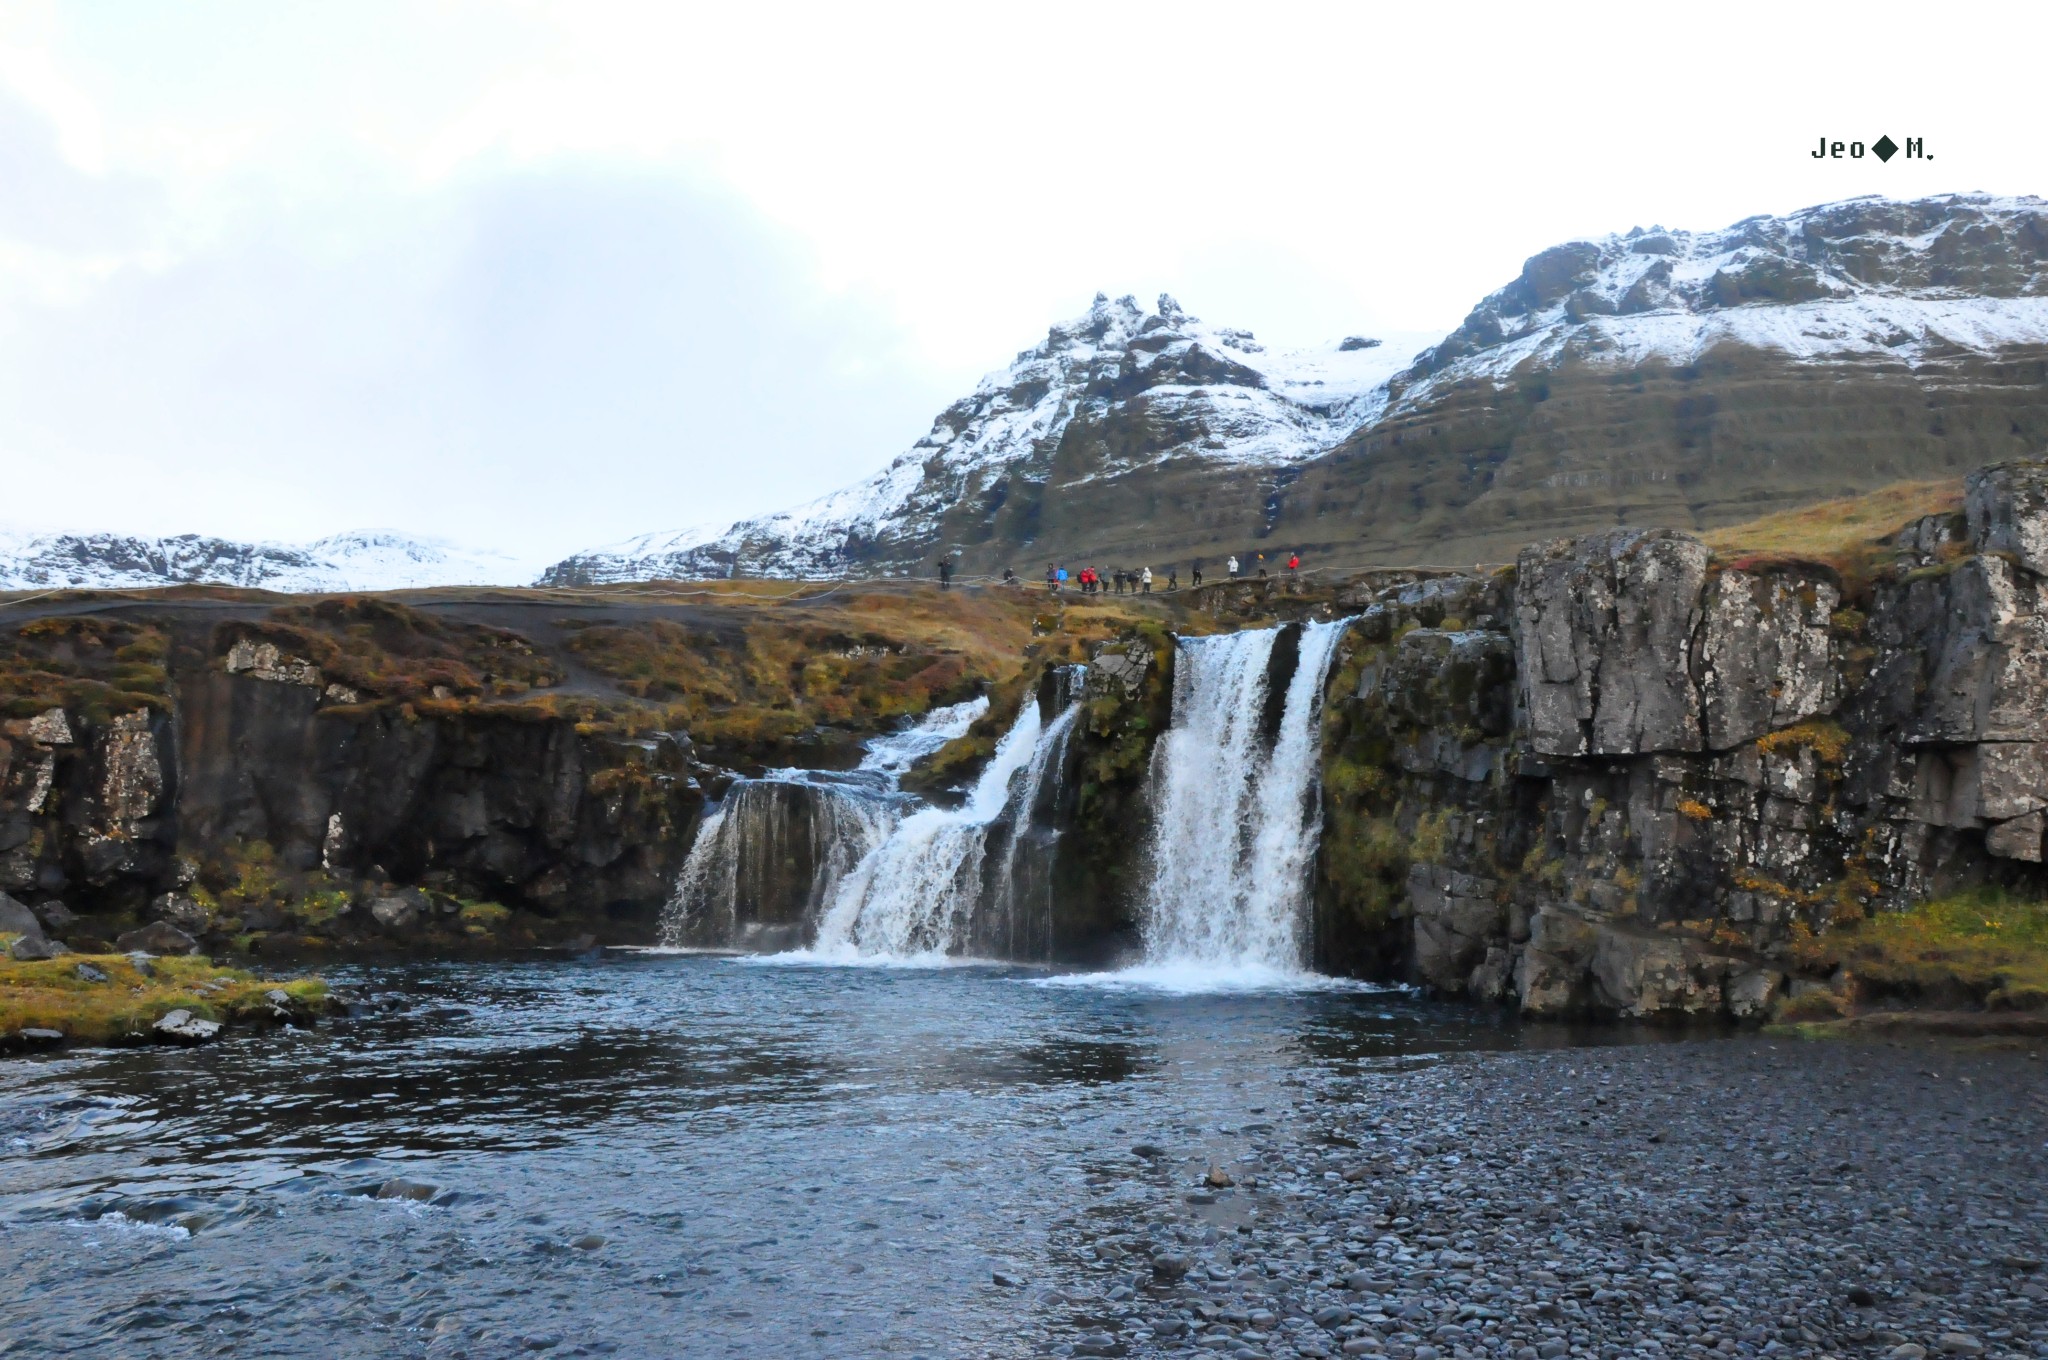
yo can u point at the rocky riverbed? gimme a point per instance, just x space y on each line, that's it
1728 1198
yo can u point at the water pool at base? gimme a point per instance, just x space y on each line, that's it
646 1155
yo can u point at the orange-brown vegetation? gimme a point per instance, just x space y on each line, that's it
92 666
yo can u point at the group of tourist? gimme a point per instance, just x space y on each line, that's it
1092 581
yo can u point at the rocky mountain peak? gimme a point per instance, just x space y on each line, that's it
1869 273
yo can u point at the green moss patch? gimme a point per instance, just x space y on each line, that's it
1984 948
51 994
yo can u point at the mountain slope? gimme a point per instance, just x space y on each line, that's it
1114 393
368 559
1697 379
1658 377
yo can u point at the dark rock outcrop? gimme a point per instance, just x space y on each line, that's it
1706 764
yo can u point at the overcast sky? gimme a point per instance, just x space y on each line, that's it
537 276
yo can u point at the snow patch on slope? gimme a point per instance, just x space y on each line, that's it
1251 405
1868 278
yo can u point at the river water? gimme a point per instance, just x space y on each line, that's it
643 1154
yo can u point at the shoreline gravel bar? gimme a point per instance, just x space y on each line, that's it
1731 1197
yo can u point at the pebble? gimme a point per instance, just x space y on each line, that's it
1804 1202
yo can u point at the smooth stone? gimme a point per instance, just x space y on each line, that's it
588 1242
1007 1280
15 919
1959 1343
400 1188
183 1027
42 1038
55 915
158 937
36 948
87 973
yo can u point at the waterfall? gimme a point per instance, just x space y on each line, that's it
859 870
771 855
932 889
1237 806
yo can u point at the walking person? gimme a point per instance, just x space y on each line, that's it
1052 580
1173 578
945 573
1293 563
1063 578
1232 565
1145 580
1198 573
1262 566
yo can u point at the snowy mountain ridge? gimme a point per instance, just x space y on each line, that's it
1865 278
363 559
1216 394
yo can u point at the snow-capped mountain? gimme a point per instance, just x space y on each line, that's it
1865 278
1173 389
1693 379
367 559
1157 436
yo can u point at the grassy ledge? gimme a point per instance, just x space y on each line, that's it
53 994
1974 962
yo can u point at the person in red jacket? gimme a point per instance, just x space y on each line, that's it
1294 561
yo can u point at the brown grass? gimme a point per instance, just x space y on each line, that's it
1844 535
92 666
50 995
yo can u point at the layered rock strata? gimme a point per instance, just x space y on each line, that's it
1624 778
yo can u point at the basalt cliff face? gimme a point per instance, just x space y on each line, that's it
1627 777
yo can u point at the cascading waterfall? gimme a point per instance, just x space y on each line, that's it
872 873
771 856
1237 821
931 888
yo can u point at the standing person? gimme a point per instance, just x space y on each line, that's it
1145 580
945 573
1063 578
1052 580
1293 562
1262 566
1198 573
1232 564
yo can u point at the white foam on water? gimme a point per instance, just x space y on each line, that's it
1197 979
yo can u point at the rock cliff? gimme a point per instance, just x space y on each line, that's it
1629 777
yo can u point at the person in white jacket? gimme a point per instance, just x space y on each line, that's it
1145 581
1231 565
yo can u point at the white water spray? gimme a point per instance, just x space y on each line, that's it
1237 825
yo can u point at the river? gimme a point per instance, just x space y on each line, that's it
649 1154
